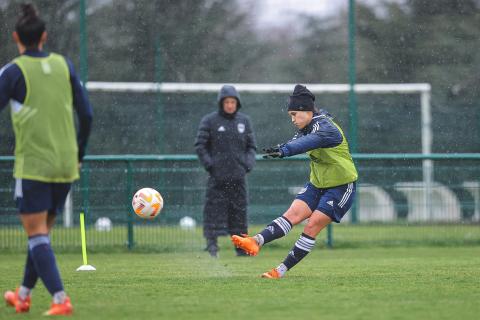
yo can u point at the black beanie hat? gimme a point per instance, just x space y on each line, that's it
301 99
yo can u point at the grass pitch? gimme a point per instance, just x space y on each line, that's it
362 283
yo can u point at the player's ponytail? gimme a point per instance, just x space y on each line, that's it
29 26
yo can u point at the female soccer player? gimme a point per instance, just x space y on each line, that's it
43 90
329 193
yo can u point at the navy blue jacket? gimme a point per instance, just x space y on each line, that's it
12 87
319 133
225 143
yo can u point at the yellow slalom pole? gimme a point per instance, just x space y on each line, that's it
84 239
85 266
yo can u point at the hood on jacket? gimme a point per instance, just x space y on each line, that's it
228 91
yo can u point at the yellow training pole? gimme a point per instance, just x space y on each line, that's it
85 266
84 239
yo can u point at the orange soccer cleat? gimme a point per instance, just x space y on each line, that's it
13 300
60 309
272 274
246 243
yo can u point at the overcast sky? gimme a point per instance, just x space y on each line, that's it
279 12
275 12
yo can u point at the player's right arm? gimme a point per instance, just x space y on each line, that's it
6 85
202 142
325 135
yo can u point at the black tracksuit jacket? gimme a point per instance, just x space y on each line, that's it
225 146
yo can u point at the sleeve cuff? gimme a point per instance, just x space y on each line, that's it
284 151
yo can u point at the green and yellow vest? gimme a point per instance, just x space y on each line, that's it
45 137
331 167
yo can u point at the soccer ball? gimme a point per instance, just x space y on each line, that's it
187 223
103 224
147 203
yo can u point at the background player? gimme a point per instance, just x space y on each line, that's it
225 146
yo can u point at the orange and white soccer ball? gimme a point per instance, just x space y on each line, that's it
147 203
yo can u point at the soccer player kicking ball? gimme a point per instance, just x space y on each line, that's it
325 198
44 91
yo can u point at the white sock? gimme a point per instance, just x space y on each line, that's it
282 269
59 297
24 292
259 239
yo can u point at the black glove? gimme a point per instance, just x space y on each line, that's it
273 152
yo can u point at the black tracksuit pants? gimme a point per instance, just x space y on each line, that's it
225 211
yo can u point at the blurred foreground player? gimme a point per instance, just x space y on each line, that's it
43 91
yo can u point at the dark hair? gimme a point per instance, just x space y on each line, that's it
29 26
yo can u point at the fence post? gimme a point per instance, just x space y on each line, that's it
85 175
159 109
352 99
83 42
330 236
128 202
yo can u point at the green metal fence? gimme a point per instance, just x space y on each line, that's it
394 204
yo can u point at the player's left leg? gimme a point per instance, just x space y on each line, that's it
278 228
333 205
301 208
316 223
20 298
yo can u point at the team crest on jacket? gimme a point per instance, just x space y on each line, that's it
241 127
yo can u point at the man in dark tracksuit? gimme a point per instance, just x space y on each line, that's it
225 145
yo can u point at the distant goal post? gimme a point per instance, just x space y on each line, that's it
423 89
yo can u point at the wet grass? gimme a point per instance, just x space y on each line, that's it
361 283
